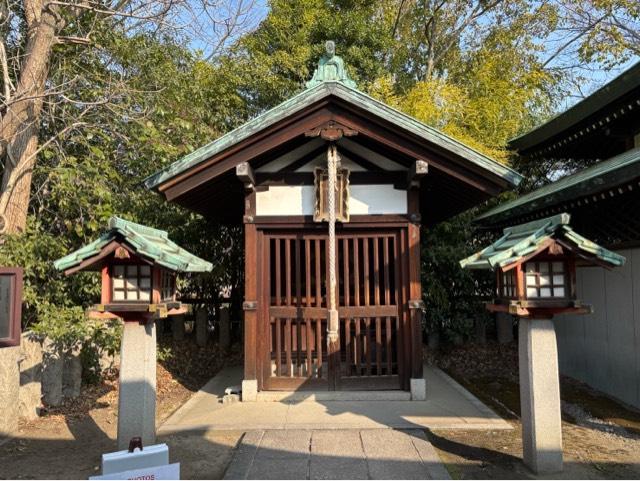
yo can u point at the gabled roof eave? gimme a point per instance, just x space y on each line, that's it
349 95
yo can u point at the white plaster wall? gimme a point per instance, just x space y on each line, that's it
300 199
603 348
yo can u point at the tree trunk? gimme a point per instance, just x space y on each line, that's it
20 124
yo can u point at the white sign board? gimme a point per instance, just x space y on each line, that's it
152 462
169 471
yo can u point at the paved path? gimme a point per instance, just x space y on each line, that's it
448 406
336 454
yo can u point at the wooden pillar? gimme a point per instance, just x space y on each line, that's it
250 305
417 382
415 286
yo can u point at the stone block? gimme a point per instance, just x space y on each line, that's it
160 326
30 397
137 401
52 369
540 396
418 389
504 327
9 389
249 390
177 327
72 373
202 327
225 328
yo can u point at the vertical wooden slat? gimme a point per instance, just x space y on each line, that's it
345 278
389 347
358 346
278 347
367 326
298 284
288 347
347 344
318 275
307 276
299 347
387 290
365 262
400 303
298 246
319 346
278 279
356 272
307 270
387 301
287 265
378 347
376 271
307 323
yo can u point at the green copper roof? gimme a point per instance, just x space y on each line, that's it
153 244
524 239
324 86
583 111
601 176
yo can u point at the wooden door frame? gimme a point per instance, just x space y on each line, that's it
406 251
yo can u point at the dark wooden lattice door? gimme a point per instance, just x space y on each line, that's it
294 327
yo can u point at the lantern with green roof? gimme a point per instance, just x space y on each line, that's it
139 265
535 265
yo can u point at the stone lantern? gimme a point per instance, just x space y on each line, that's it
535 266
138 265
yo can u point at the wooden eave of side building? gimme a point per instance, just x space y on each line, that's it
603 201
600 126
458 178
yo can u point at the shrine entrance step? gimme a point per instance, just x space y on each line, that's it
320 396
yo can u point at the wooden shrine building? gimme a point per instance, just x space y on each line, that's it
394 175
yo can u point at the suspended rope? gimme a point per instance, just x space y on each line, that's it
332 170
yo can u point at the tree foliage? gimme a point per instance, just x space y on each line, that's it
126 93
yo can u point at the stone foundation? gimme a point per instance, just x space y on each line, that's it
9 387
30 395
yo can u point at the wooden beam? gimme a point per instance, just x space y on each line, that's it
244 172
331 131
417 171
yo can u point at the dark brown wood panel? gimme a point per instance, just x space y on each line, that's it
295 350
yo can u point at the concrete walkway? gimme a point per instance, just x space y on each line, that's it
336 454
448 406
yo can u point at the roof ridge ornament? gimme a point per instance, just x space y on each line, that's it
330 69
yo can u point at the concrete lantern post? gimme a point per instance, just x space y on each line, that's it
138 266
535 266
540 396
137 399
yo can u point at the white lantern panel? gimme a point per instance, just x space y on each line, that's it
558 267
118 296
530 268
544 280
145 283
118 271
558 280
545 292
544 267
118 283
132 271
532 292
132 283
145 271
531 281
144 295
558 291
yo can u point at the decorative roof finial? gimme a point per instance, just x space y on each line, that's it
330 68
